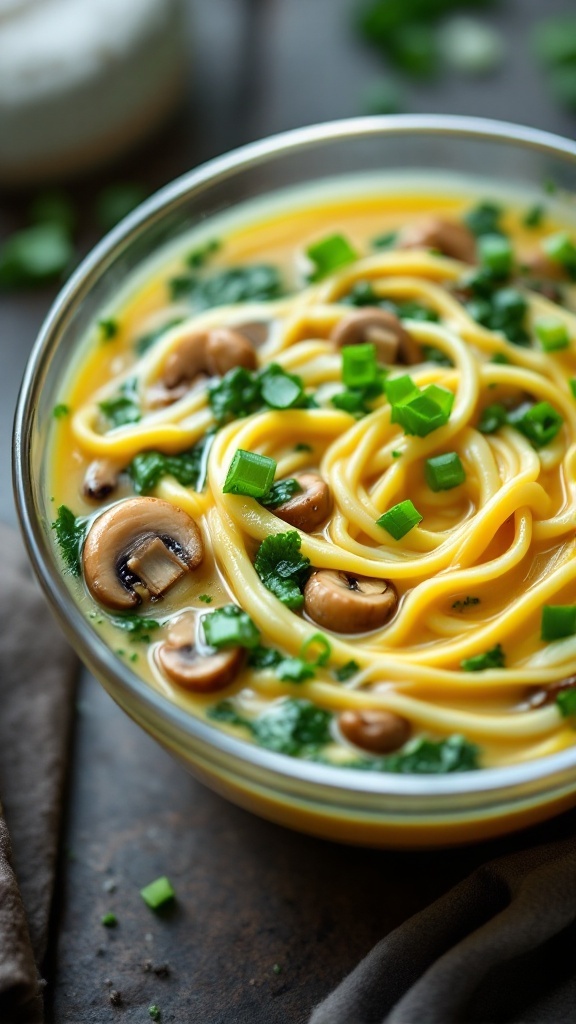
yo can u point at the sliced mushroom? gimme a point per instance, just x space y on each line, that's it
255 330
140 542
381 328
380 732
448 236
227 348
541 265
309 508
537 698
179 658
345 603
211 352
101 479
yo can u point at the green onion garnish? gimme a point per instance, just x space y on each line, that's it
496 253
316 650
249 473
484 219
561 249
59 411
347 671
492 418
539 423
443 472
359 365
230 627
280 390
426 411
399 520
552 334
158 893
558 621
573 386
494 658
398 389
329 255
566 702
108 328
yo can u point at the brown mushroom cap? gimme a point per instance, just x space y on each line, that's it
540 264
381 328
211 352
180 661
308 509
450 237
380 732
139 535
344 603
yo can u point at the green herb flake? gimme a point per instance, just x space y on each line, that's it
70 533
199 257
484 219
281 492
282 569
386 241
494 658
60 411
399 520
205 598
158 893
122 409
154 1012
109 920
108 328
188 467
345 672
302 447
256 282
534 216
138 627
424 756
566 702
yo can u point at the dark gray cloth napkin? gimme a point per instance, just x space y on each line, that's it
499 947
37 671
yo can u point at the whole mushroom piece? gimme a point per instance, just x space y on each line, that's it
310 507
344 603
381 328
140 541
212 352
181 661
380 732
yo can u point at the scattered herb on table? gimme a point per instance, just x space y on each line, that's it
158 893
109 920
35 255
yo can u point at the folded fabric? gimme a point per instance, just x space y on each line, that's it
37 670
500 946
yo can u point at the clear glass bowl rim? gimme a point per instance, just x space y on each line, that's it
153 705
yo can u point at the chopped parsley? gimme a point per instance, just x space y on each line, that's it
424 756
566 702
484 219
188 467
154 1012
200 256
242 392
346 671
492 418
70 533
257 282
294 727
302 447
534 216
138 627
205 598
386 241
293 670
59 411
280 492
123 408
108 328
281 567
502 309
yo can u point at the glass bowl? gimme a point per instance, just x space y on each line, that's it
336 803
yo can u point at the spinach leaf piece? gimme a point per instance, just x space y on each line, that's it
424 756
138 627
256 282
281 567
188 467
70 533
294 727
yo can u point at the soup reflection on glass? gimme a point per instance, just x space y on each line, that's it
313 476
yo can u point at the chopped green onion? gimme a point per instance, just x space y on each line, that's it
230 627
109 920
534 216
330 254
484 219
566 701
398 389
386 241
539 423
359 365
552 334
496 253
493 417
59 411
561 249
108 328
443 472
494 658
558 621
249 473
424 412
346 671
399 520
280 390
158 893
396 455
319 647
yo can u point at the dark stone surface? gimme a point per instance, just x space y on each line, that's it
250 895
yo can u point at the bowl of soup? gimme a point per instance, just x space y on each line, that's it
295 460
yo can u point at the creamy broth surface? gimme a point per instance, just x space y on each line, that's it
425 355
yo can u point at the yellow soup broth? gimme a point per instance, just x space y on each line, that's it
423 355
